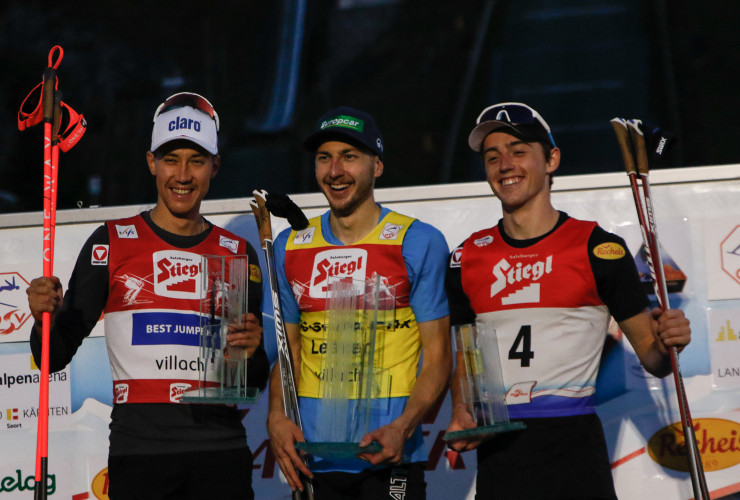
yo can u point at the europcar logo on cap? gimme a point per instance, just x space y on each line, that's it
345 122
609 251
718 441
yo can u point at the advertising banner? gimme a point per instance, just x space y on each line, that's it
699 228
19 393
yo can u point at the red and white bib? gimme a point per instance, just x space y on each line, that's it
152 316
550 323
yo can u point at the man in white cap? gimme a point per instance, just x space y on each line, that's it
548 284
142 272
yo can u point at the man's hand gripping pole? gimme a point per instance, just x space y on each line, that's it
632 144
285 359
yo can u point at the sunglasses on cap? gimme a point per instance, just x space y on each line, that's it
190 99
514 113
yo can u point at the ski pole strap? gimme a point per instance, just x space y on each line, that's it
76 126
29 118
73 124
52 63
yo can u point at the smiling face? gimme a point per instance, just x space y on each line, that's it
183 175
346 175
517 171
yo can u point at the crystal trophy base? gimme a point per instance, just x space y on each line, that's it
337 450
220 395
484 432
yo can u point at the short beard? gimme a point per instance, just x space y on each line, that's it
345 211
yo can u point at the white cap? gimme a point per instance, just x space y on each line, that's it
185 123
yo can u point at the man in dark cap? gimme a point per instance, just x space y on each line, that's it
548 284
358 238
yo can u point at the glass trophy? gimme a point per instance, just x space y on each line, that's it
222 369
354 387
482 388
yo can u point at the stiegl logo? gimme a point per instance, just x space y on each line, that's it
120 393
177 274
177 389
336 263
506 275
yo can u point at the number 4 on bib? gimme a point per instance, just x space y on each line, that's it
521 349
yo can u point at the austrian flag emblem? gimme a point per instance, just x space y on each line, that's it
99 256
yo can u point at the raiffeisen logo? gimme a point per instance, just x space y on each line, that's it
336 263
718 441
19 482
177 274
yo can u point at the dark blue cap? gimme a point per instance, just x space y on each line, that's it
348 125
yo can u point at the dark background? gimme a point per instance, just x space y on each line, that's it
423 69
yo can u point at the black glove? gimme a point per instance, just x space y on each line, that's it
281 205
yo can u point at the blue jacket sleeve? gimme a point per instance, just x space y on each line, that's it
425 253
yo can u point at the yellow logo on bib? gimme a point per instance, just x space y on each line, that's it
254 273
610 251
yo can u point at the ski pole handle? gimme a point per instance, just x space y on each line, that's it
625 146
